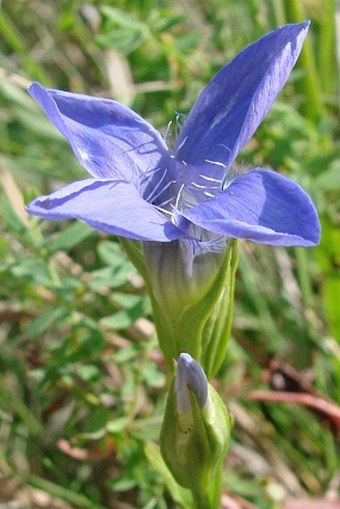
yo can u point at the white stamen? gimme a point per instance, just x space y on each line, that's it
157 185
224 146
217 163
178 196
167 132
164 211
209 179
181 145
199 186
152 197
146 175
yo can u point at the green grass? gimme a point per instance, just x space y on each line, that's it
82 382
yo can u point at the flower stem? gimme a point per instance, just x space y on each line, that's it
210 498
201 501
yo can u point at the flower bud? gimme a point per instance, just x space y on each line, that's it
196 429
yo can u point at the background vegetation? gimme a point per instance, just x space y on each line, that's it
82 383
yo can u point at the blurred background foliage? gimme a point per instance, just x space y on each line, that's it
82 383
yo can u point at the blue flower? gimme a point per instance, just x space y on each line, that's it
140 189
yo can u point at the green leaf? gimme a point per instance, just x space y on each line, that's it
123 40
117 425
59 491
112 254
120 320
110 277
331 292
122 484
135 308
122 18
97 420
44 321
70 237
330 179
13 220
88 372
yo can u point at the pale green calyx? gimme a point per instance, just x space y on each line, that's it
192 296
195 431
181 274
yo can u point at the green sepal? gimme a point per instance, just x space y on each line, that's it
134 252
217 328
180 495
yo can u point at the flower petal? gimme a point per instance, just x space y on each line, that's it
111 206
109 139
262 206
233 104
190 376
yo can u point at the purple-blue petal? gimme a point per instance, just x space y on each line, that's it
233 104
262 206
109 139
111 206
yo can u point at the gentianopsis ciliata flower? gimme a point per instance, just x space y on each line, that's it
141 190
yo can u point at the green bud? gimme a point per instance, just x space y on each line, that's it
195 431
